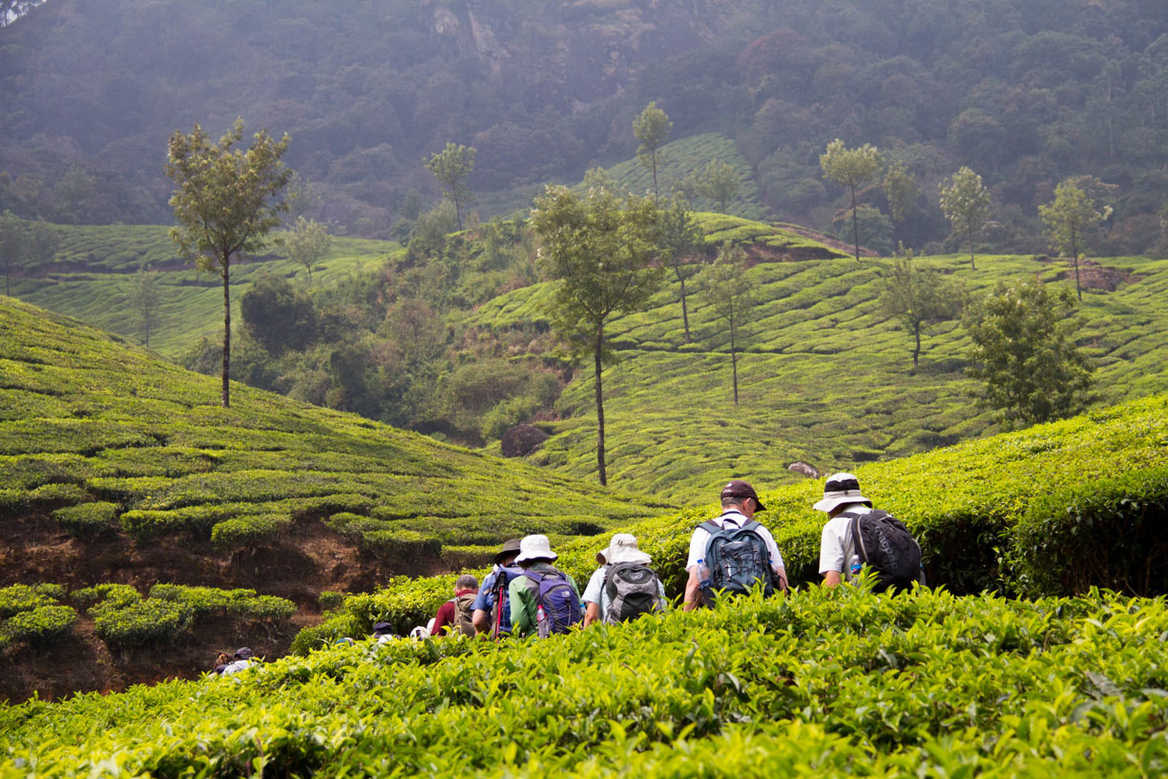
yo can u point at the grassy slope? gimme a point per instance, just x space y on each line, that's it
92 278
107 422
825 377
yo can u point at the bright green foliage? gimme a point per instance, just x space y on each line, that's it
25 597
210 601
919 298
24 244
308 242
38 625
851 168
651 128
966 203
87 520
821 682
682 248
141 622
1068 218
225 201
452 167
1024 355
599 249
147 298
249 530
728 291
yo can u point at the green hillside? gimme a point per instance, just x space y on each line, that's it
92 277
825 377
118 467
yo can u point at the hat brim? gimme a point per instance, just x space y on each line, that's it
827 503
631 556
549 556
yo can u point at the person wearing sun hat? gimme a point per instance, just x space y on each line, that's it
492 615
841 494
535 558
622 558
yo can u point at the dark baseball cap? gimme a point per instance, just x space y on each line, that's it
741 489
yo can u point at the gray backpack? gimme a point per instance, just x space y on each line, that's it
633 589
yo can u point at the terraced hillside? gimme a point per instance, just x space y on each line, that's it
825 377
118 467
92 277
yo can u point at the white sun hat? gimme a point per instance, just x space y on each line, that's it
535 547
840 489
622 549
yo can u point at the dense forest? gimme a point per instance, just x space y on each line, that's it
1025 92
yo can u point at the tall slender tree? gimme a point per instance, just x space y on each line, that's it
720 183
308 242
600 250
851 168
452 167
226 201
681 245
918 298
651 128
147 298
727 290
1068 218
966 204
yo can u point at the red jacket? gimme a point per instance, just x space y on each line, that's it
445 615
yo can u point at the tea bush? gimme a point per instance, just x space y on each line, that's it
840 681
86 520
37 625
248 530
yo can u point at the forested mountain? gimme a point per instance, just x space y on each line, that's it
1026 92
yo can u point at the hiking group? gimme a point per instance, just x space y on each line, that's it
525 594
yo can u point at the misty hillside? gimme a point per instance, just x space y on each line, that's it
1024 91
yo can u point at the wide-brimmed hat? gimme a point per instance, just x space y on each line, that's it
622 549
741 489
510 547
243 653
535 547
840 488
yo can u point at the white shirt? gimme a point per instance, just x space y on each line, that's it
597 593
836 546
701 536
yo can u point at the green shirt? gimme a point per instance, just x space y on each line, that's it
521 593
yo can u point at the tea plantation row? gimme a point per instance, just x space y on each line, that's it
1054 509
818 682
107 440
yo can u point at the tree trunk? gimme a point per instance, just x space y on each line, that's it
684 312
734 361
600 410
917 350
855 224
970 239
226 331
653 159
1075 256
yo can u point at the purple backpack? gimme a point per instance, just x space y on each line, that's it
557 604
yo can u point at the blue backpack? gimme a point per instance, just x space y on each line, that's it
557 604
736 557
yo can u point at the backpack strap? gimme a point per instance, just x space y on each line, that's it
709 526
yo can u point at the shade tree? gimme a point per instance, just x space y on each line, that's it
681 244
226 200
729 293
600 249
850 168
651 127
965 201
452 167
1069 217
918 297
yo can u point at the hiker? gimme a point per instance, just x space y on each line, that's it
383 632
544 600
243 659
492 613
857 534
221 661
732 551
624 586
455 615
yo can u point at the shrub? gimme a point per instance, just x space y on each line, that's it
248 530
330 600
38 625
141 622
118 594
1099 533
23 597
86 520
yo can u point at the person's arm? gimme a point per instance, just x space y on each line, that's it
831 557
591 613
593 594
444 617
781 577
693 594
482 621
832 578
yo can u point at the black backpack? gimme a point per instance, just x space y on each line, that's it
883 542
632 590
736 558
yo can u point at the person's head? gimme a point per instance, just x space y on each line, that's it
840 491
382 629
535 549
506 555
222 659
466 582
622 549
741 496
243 653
